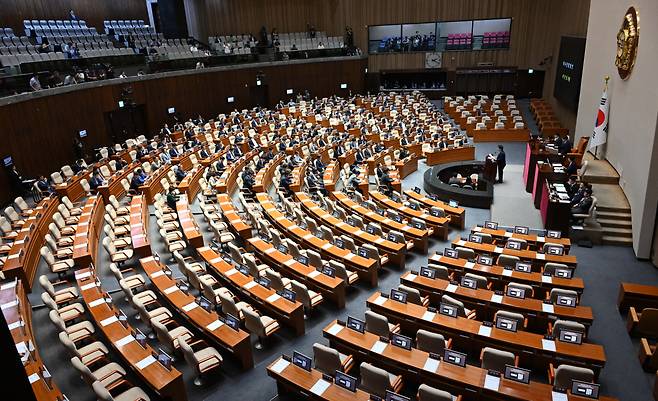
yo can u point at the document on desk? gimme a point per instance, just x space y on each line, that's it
379 301
431 365
320 387
546 279
335 329
411 277
109 320
496 298
540 256
215 325
469 265
144 363
378 347
547 308
273 298
507 273
451 288
429 316
484 331
250 285
280 365
555 396
126 340
491 382
190 306
548 345
314 274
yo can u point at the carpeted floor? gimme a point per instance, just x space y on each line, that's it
602 268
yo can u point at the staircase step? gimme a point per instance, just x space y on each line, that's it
612 215
595 179
618 232
614 240
614 223
614 209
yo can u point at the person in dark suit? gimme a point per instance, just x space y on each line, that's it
44 185
203 153
572 168
180 173
443 144
566 146
317 163
172 198
585 203
173 152
571 186
248 178
78 166
501 162
96 180
557 141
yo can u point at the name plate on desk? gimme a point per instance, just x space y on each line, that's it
125 340
190 306
144 363
215 325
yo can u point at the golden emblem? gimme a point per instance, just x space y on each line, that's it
627 42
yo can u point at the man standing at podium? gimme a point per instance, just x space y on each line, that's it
501 162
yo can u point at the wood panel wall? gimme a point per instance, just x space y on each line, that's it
93 11
38 133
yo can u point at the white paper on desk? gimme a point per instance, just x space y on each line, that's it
508 234
379 240
335 329
320 387
498 249
273 298
127 339
280 365
507 273
21 347
9 304
34 377
231 272
99 301
496 298
491 382
484 331
429 316
379 301
190 306
548 345
171 289
451 288
289 262
541 239
145 362
546 279
469 265
461 242
88 286
431 365
11 284
547 308
216 260
250 285
477 229
215 325
270 250
308 236
540 256
327 246
109 320
157 274
80 276
378 347
555 396
16 324
313 274
411 276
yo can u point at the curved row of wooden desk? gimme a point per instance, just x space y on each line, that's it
416 366
288 313
88 231
457 214
238 226
443 156
366 268
237 343
532 349
139 225
17 313
23 257
168 384
191 231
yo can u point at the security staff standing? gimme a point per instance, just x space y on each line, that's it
501 162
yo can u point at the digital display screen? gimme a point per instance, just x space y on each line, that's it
230 99
83 133
301 360
171 110
356 324
569 71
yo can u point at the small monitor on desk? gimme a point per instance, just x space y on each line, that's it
554 250
515 292
232 322
171 110
391 396
447 310
356 324
339 243
506 324
265 282
328 271
563 273
343 86
521 230
453 203
302 259
7 161
515 245
399 296
288 294
301 360
205 304
485 260
566 300
584 389
523 267
282 248
416 190
517 374
289 91
345 381
450 253
363 252
491 225
571 336
553 234
475 238
230 99
427 272
401 341
468 282
454 357
164 359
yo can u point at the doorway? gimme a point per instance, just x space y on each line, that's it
127 122
258 96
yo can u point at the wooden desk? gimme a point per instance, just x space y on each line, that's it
264 176
72 188
17 311
168 384
392 251
233 219
237 343
365 268
416 149
114 186
467 335
267 300
535 241
457 215
330 176
23 258
544 172
228 180
638 296
502 276
190 184
297 177
330 288
139 223
487 303
444 156
293 379
438 224
467 381
537 258
500 135
419 237
191 231
88 231
406 166
153 184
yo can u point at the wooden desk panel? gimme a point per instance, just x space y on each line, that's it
535 241
444 156
537 258
87 232
238 343
264 176
637 295
330 177
23 258
332 288
438 224
457 215
17 311
113 186
500 135
72 188
233 219
191 231
411 365
289 313
228 180
152 185
139 225
504 276
466 333
168 384
190 184
365 268
406 166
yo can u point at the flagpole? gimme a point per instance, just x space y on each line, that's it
605 89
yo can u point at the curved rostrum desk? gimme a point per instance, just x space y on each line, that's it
500 276
23 258
443 156
533 350
237 343
416 366
366 268
17 311
457 215
288 313
487 302
332 288
88 231
168 384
